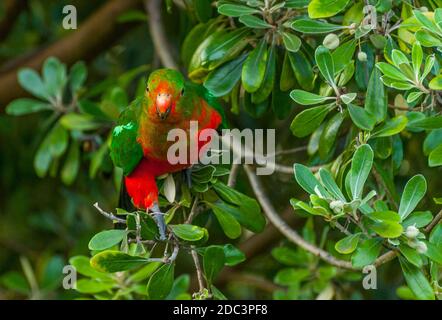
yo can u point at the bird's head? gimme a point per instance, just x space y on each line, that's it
164 89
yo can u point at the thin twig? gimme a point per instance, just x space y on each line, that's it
193 210
234 170
380 181
159 38
434 222
341 228
109 215
199 272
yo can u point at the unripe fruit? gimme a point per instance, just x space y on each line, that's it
362 56
411 232
331 41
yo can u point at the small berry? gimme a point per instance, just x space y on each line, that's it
331 41
362 56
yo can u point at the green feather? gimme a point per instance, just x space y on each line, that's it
125 151
205 94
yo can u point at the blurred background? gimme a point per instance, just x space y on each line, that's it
44 221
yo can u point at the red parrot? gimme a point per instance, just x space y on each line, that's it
139 141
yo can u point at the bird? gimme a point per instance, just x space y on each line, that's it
139 143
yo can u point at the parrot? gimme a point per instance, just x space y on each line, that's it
139 142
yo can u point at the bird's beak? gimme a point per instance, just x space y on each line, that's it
163 104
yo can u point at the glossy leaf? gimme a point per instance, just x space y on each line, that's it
414 191
360 169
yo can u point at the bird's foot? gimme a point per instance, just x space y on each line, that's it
158 217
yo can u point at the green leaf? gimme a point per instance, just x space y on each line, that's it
222 80
71 165
43 158
218 48
106 239
390 127
310 26
325 63
343 55
307 180
289 276
416 57
325 8
92 286
213 262
376 98
58 140
308 120
114 261
203 10
434 252
291 42
302 69
416 281
188 232
23 106
411 255
254 22
361 117
348 97
426 123
31 82
360 169
267 85
414 191
82 122
223 213
366 253
436 83
348 244
307 98
54 76
387 229
418 219
235 10
330 184
391 72
82 266
161 282
77 76
329 134
254 67
247 213
233 255
435 158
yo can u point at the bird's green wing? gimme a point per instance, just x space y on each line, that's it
211 100
125 151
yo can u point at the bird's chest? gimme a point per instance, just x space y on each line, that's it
160 141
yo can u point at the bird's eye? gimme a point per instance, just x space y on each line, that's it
147 89
182 92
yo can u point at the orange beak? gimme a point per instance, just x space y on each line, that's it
163 104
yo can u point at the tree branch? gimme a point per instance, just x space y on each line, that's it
434 222
159 38
99 31
293 236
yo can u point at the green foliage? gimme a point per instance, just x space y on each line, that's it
360 86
